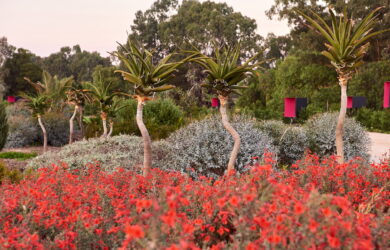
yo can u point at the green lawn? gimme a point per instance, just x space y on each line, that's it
17 155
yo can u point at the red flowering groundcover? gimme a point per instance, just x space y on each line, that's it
315 205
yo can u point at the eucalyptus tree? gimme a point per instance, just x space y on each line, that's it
148 76
347 44
226 76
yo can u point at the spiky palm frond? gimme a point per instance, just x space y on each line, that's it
225 74
347 42
101 92
53 87
38 104
147 76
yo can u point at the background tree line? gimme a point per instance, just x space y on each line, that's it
294 66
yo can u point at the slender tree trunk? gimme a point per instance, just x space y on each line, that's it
71 124
111 128
44 133
104 123
340 123
232 131
80 120
145 137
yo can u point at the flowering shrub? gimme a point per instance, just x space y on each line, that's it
317 205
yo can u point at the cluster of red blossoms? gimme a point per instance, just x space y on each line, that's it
314 205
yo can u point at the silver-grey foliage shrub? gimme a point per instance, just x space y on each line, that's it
3 125
57 127
110 153
291 140
321 132
292 145
22 129
118 151
204 147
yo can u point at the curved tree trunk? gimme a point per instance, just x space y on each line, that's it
340 123
44 133
104 123
145 137
80 120
232 131
111 128
71 125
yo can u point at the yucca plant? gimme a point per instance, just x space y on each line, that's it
103 94
53 87
39 104
147 78
347 43
226 76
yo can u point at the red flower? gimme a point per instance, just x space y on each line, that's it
274 239
333 241
327 212
313 226
234 201
299 208
134 231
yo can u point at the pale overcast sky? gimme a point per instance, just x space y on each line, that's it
44 26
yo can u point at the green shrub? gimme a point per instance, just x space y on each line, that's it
11 175
161 118
374 120
321 132
204 147
110 153
3 125
17 155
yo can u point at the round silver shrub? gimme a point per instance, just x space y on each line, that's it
204 147
57 127
22 129
118 151
3 125
321 133
291 141
292 145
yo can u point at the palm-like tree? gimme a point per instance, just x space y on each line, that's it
112 113
347 43
225 77
53 87
147 77
102 93
76 97
39 104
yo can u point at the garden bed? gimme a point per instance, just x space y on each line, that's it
318 204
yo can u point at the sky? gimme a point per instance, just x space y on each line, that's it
44 26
